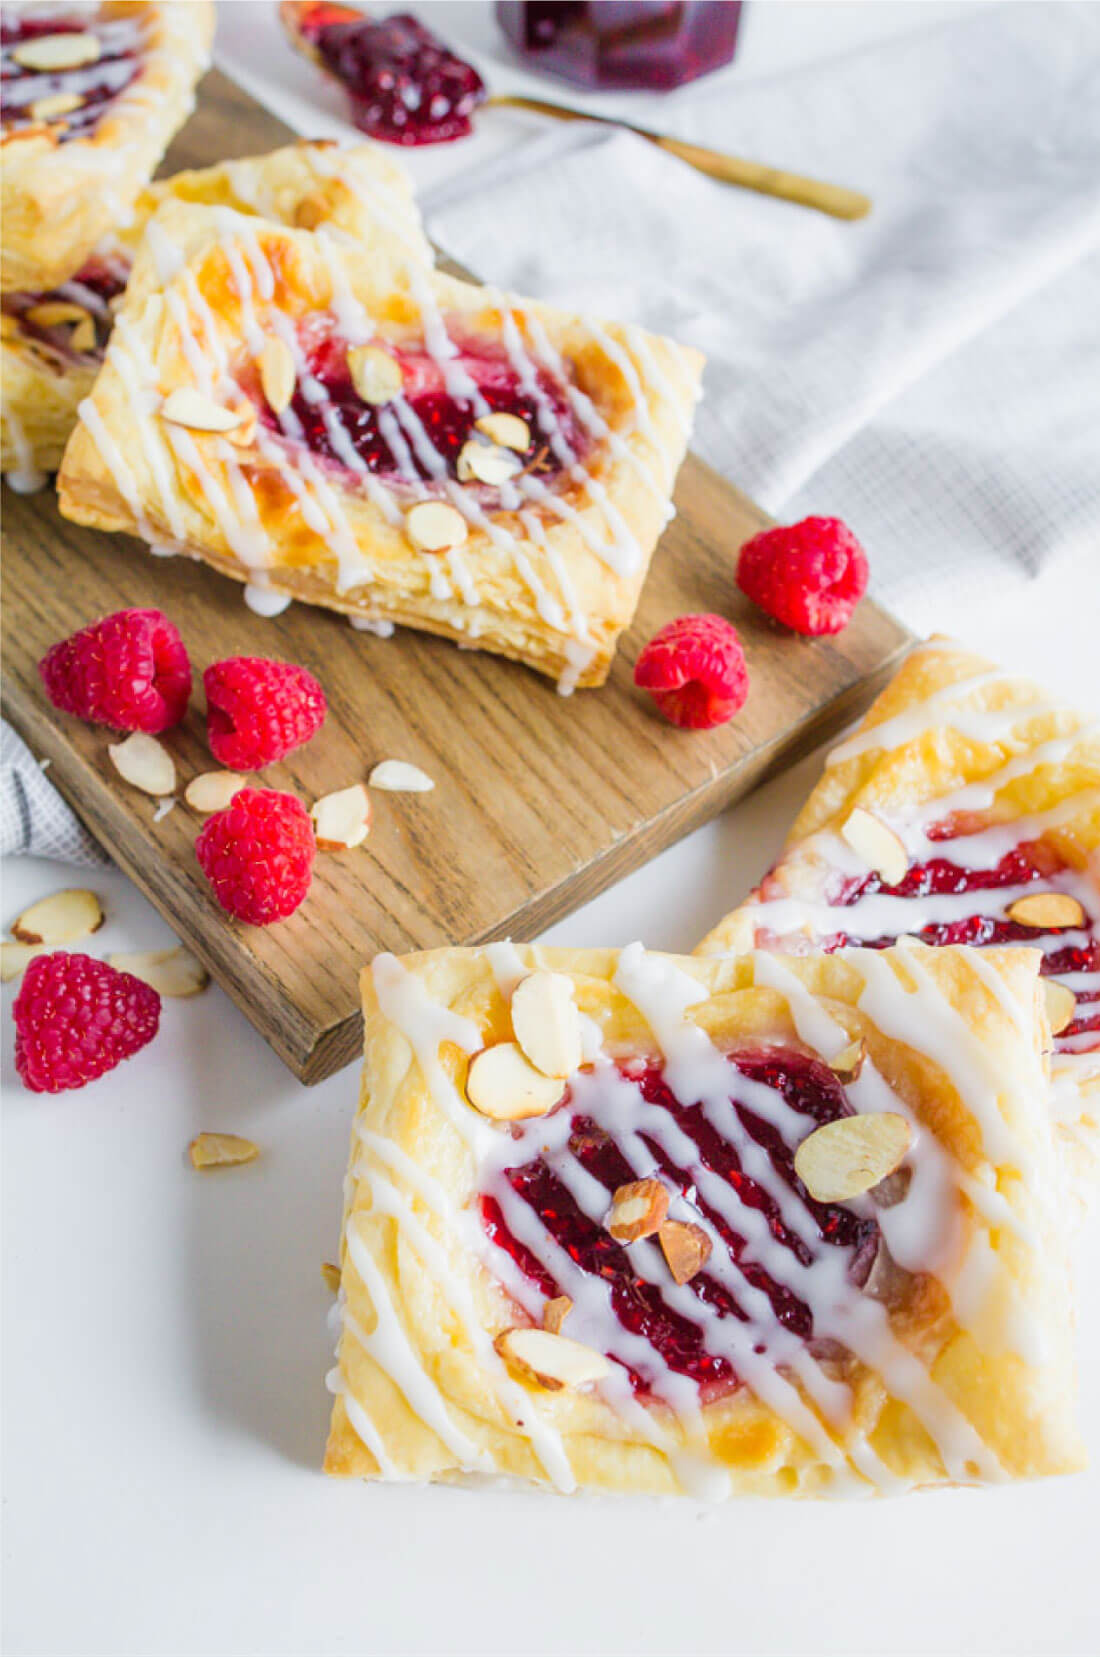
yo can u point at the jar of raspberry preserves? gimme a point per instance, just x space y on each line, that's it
651 46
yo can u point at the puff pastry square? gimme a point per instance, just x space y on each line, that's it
990 790
81 139
779 1226
449 458
47 368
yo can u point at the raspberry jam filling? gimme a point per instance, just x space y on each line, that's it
406 86
1030 864
806 1087
60 318
421 435
95 84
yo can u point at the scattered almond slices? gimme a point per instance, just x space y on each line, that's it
397 776
509 430
62 918
60 51
487 463
1061 1004
638 1209
331 1275
555 1312
174 973
56 313
847 1064
551 1361
877 844
546 1023
375 375
844 1158
243 434
503 1086
341 821
83 337
278 377
189 408
54 105
16 958
144 763
433 526
221 1150
1047 911
212 790
686 1248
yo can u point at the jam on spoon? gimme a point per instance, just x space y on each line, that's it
406 86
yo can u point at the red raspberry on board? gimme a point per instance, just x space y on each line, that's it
76 1018
810 575
695 671
130 670
259 710
258 855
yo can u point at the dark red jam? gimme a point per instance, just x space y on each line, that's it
633 43
807 1087
1031 864
96 84
405 84
447 421
92 289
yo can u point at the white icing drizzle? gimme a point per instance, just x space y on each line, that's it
263 601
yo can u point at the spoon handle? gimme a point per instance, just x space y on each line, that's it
728 169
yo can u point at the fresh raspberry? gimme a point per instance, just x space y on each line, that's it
76 1018
810 576
695 671
259 710
258 855
129 670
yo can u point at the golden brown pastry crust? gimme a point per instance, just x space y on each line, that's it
958 736
59 200
355 191
419 1393
552 587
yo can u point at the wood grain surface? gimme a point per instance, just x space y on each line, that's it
540 802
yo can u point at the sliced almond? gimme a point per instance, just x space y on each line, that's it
1061 1005
502 1085
433 526
847 1157
56 313
375 375
54 105
686 1248
506 429
555 1312
243 434
397 776
60 919
212 790
187 407
16 958
221 1150
847 1064
277 374
487 463
331 1275
1047 911
143 762
547 1024
551 1361
341 820
62 51
878 845
637 1210
175 973
83 337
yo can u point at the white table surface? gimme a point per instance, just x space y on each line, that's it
165 1341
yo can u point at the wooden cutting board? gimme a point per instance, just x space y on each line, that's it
540 802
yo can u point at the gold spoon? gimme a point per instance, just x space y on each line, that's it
728 169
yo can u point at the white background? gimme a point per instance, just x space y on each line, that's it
165 1341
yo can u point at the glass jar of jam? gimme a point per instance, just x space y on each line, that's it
653 46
